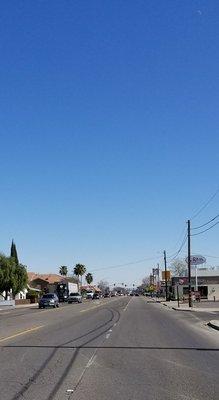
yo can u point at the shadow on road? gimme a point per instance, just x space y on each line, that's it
114 317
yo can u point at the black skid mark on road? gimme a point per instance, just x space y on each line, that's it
73 359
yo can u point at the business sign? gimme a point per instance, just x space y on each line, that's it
196 260
166 276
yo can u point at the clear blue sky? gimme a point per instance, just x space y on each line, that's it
109 130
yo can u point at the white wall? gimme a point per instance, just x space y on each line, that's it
213 290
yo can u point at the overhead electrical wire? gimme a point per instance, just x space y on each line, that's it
126 264
211 220
205 230
179 240
205 204
173 256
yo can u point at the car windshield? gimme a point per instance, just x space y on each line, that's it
74 294
48 296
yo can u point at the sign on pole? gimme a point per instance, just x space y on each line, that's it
167 277
196 260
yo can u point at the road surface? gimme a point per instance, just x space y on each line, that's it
121 348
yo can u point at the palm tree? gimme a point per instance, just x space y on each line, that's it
79 270
63 270
89 278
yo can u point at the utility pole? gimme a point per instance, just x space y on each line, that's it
165 266
189 264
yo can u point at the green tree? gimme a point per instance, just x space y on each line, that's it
89 278
20 278
14 252
6 275
79 270
63 270
13 277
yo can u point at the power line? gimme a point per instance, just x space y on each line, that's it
173 256
207 255
178 241
126 264
205 204
208 229
211 220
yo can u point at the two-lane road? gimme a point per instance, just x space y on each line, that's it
120 348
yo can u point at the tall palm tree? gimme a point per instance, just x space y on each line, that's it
63 270
79 270
89 278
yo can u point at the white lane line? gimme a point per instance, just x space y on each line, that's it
91 361
124 309
108 335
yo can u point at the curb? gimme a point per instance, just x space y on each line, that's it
213 325
181 309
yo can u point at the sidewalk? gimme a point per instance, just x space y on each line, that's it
197 307
4 308
185 307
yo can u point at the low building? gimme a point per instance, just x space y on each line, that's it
47 282
207 284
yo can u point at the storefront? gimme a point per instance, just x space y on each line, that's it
207 285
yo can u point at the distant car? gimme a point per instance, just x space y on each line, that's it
49 300
74 298
96 296
106 295
136 294
89 295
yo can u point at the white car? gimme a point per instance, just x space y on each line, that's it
75 298
90 295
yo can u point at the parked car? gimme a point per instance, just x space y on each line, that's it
89 295
49 300
75 298
96 296
106 295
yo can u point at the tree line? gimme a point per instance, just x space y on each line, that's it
79 271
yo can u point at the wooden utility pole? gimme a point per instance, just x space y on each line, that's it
165 266
189 264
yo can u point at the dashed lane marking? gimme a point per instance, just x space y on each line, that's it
127 305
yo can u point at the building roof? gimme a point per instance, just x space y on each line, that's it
50 278
206 272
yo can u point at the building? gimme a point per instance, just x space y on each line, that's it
47 282
207 281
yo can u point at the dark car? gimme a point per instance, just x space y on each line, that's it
49 300
96 296
106 295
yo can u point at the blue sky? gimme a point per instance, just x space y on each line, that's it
109 131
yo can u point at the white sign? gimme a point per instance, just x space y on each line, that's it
196 260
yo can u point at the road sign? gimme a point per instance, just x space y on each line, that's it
196 260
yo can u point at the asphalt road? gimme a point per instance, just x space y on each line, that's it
120 348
